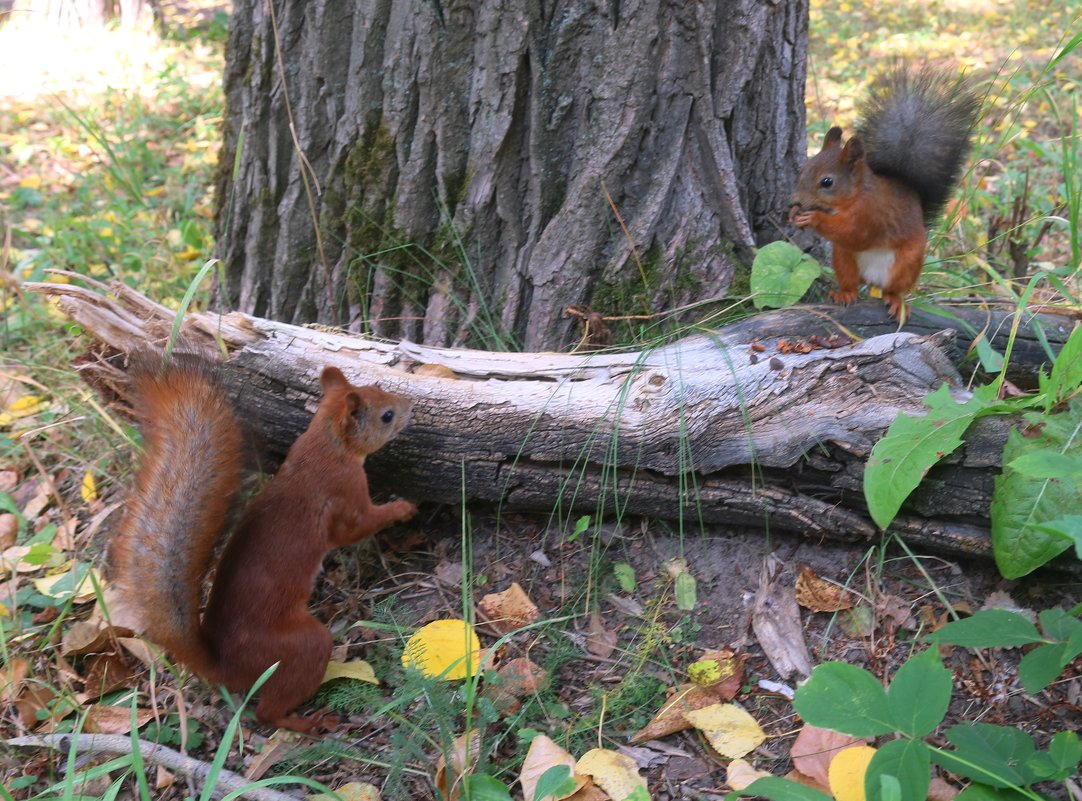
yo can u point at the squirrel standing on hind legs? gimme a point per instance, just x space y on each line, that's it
189 476
874 196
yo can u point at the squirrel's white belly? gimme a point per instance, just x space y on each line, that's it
875 265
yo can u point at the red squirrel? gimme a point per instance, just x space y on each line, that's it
190 473
874 196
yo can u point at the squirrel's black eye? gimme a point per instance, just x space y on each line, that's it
388 416
826 181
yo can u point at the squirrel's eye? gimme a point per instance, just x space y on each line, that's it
826 182
388 416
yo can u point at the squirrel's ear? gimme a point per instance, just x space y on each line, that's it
853 150
355 406
331 377
833 137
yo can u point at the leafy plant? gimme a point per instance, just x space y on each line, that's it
780 275
1003 763
1042 462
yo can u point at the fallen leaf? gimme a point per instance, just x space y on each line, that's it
814 748
847 773
89 489
163 779
464 754
280 745
893 611
798 777
600 641
775 620
449 573
509 610
103 719
9 530
12 676
615 773
87 637
358 670
858 622
589 792
447 649
353 791
731 731
819 595
670 718
940 790
104 674
740 774
542 755
516 679
722 671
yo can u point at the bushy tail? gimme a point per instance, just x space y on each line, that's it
189 475
916 125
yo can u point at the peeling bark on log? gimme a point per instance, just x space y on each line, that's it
697 429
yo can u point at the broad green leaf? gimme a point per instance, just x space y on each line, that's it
982 792
907 761
780 275
1021 503
890 789
1057 624
556 781
991 359
919 694
778 789
912 445
1040 666
1069 527
685 592
992 755
482 787
844 698
1066 752
989 628
1048 464
1067 371
625 576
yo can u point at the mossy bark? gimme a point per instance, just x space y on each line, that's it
478 167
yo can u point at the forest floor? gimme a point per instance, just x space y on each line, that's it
106 164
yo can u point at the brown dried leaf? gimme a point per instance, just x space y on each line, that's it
464 755
516 679
940 790
544 753
600 641
88 637
807 781
105 673
509 610
819 595
279 746
589 792
814 748
12 676
114 719
9 530
436 371
670 718
893 611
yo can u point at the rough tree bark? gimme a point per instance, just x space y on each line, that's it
463 155
706 428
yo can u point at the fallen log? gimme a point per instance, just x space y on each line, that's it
727 427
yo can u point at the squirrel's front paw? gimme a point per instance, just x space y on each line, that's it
403 510
843 296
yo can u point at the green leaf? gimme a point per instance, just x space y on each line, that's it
482 787
1020 503
912 445
982 792
1057 624
685 592
1066 752
989 628
1069 527
992 755
625 576
1040 666
775 788
991 359
907 761
581 525
1067 371
556 781
780 275
919 694
1047 464
844 698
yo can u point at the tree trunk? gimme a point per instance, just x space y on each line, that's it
705 429
477 167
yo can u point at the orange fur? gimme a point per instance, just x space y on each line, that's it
258 609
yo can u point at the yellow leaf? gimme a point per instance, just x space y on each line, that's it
89 490
847 771
353 791
189 254
447 649
155 192
357 669
30 182
615 773
731 731
27 405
